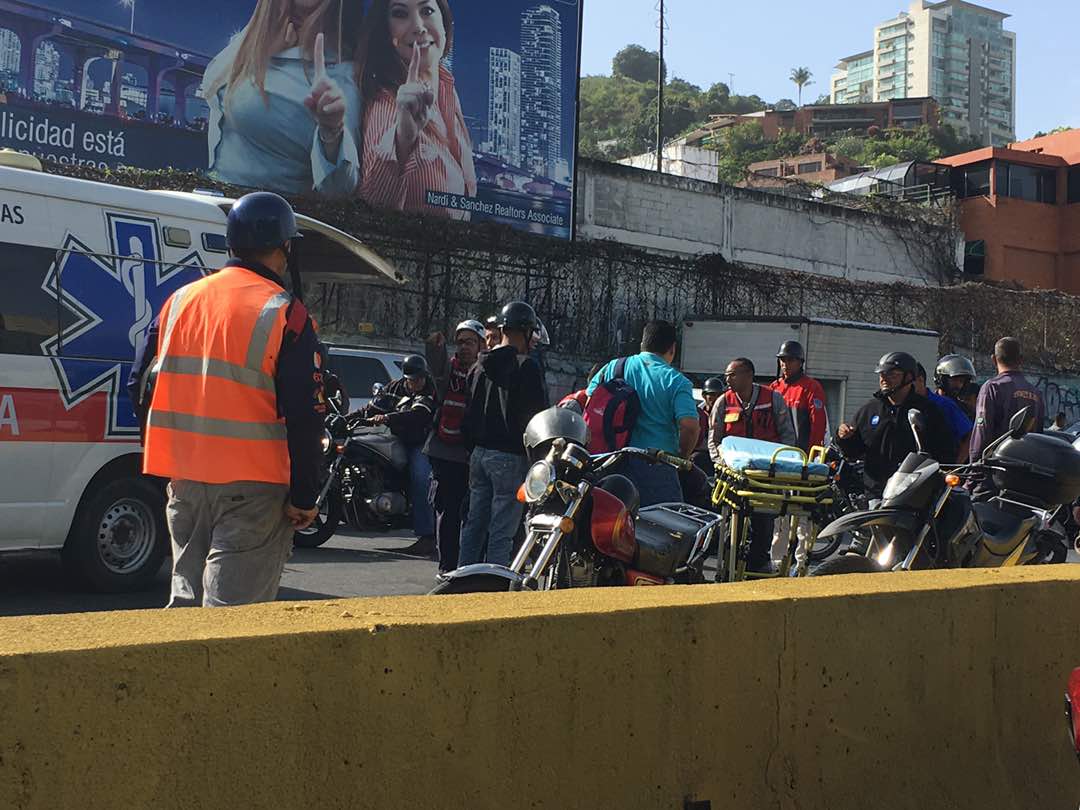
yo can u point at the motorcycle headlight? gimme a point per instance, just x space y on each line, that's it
327 442
899 484
539 481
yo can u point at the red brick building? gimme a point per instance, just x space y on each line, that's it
821 167
823 120
1021 211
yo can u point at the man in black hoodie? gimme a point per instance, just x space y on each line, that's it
506 390
881 433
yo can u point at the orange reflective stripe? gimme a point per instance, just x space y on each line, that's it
264 327
227 428
212 367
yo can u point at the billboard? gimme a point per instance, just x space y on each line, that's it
464 109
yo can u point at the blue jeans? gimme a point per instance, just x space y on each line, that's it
423 517
494 511
656 483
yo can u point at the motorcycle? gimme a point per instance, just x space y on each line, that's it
927 520
584 527
366 474
849 495
1072 716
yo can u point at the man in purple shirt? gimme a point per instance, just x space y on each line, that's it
1003 396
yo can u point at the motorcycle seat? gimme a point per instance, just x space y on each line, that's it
1001 530
665 540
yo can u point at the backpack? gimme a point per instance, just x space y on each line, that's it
611 412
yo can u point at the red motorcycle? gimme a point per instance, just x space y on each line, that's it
584 527
1072 709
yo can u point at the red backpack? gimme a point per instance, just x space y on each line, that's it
611 412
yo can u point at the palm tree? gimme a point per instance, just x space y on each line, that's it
802 77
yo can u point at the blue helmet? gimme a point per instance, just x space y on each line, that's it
260 221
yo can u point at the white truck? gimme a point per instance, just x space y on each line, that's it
84 268
841 355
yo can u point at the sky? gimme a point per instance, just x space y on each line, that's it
760 42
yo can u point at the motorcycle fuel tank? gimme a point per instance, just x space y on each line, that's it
612 527
384 444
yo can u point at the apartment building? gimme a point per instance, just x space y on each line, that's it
1020 211
957 52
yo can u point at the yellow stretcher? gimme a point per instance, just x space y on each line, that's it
762 478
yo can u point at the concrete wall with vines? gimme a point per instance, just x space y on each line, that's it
595 295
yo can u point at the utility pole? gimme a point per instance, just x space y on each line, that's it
731 84
660 97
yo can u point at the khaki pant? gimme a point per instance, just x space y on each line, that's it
229 542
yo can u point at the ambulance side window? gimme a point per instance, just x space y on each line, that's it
28 314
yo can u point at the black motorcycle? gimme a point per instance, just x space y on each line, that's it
366 474
849 495
927 519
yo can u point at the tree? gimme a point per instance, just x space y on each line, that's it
634 62
1054 131
802 77
823 99
784 104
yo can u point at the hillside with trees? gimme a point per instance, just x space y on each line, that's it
618 119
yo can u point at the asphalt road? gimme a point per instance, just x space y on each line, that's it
349 564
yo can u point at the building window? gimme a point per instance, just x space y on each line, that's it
974 180
974 258
809 168
1027 183
773 172
1074 185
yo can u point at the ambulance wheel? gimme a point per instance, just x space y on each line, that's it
119 538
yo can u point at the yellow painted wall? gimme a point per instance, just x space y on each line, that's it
927 691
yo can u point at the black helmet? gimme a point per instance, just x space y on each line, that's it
898 360
519 316
953 365
491 322
792 349
260 221
714 385
414 366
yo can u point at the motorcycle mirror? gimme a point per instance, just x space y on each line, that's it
1021 422
377 389
918 425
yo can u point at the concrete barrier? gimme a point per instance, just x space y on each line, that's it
927 691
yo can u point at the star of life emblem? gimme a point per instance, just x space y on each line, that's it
109 302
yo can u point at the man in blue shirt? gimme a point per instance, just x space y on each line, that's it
955 417
668 419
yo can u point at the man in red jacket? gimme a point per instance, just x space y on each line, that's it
804 396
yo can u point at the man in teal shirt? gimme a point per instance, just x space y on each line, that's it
668 419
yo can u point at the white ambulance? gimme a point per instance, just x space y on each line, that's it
84 268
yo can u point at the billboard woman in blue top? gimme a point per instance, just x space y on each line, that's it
284 103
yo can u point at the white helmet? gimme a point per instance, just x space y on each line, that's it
471 325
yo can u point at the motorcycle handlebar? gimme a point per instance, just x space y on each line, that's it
652 456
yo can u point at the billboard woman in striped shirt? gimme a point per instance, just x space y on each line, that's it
415 138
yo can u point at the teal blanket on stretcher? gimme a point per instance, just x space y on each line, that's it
743 455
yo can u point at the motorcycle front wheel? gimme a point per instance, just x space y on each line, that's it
324 525
847 564
825 548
